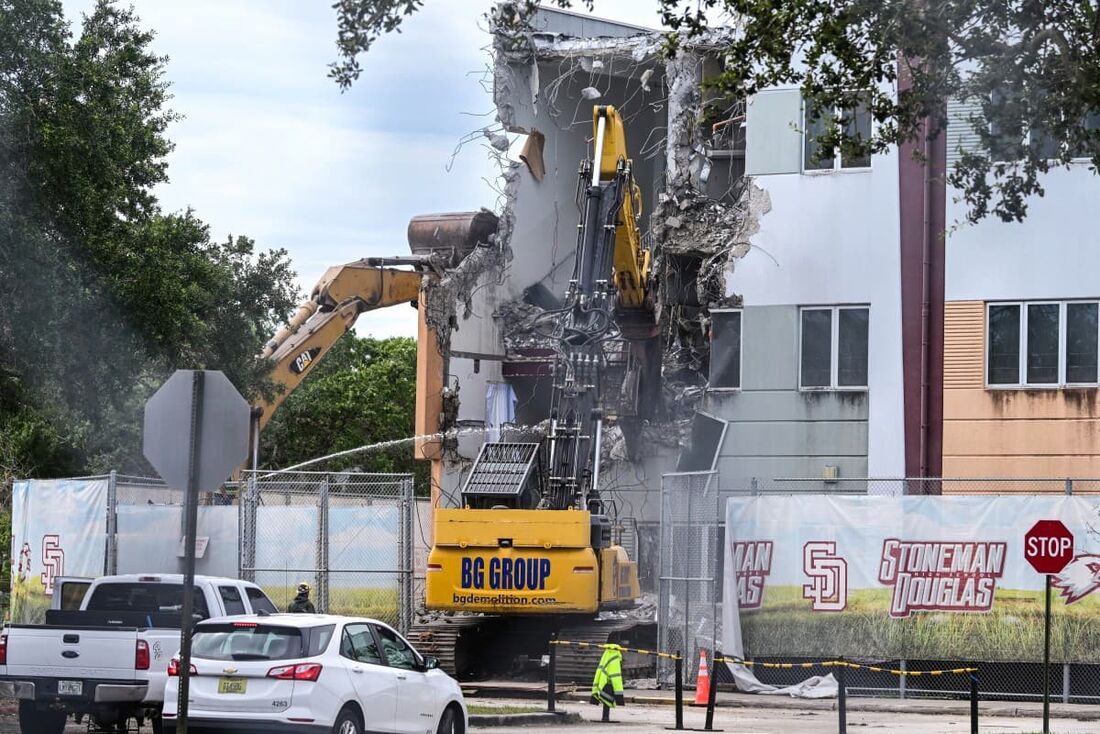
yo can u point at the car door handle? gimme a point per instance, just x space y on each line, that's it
357 670
401 677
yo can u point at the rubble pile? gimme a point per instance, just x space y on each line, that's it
519 322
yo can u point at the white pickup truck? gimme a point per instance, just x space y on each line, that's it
109 659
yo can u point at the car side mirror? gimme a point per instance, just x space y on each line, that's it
431 663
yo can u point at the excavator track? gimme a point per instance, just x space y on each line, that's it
452 640
483 647
576 663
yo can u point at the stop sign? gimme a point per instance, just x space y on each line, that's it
1048 546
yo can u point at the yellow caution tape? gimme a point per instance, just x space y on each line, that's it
845 664
609 646
779 666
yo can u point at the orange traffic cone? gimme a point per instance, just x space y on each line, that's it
702 681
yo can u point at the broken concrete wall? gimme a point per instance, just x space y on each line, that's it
694 219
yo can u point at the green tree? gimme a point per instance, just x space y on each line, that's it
362 393
102 294
1032 67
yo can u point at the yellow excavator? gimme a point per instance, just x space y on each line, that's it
532 542
344 292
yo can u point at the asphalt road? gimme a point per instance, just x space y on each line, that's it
638 719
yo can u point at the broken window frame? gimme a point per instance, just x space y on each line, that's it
838 163
725 312
1023 346
834 348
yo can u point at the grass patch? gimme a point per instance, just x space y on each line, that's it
478 709
1012 630
374 602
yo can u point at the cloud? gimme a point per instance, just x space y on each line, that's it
270 148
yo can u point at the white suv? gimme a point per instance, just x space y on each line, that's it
312 673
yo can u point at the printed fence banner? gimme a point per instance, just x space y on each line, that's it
58 529
145 534
932 578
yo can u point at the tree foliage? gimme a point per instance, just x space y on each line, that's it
1031 69
363 392
102 294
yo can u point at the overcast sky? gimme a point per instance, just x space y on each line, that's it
270 148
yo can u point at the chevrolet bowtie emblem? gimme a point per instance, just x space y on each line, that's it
230 671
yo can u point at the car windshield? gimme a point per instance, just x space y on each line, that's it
252 641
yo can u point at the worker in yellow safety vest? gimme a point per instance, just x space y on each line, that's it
607 685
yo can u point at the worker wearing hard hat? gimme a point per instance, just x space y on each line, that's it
301 603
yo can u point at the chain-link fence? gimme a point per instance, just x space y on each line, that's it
689 585
143 511
691 559
911 486
350 536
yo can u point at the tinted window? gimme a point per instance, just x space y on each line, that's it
259 601
816 123
396 651
72 594
725 349
251 641
319 637
1081 353
358 644
857 126
1004 345
817 339
1042 343
852 350
231 599
144 597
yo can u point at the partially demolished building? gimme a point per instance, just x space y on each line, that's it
744 245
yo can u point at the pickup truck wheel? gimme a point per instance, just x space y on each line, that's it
35 721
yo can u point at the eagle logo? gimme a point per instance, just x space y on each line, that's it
1079 578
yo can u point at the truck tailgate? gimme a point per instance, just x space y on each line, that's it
79 652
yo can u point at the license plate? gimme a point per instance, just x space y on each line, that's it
232 685
70 687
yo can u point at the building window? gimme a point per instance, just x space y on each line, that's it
1045 344
856 124
725 349
834 348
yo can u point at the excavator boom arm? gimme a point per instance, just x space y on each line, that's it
630 260
344 292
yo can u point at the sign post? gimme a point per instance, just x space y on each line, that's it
196 434
1048 547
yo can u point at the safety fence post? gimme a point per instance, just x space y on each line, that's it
842 696
973 704
712 695
552 675
679 691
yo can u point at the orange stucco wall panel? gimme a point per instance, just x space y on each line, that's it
1037 437
1009 433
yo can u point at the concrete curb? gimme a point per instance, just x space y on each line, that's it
917 706
544 718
